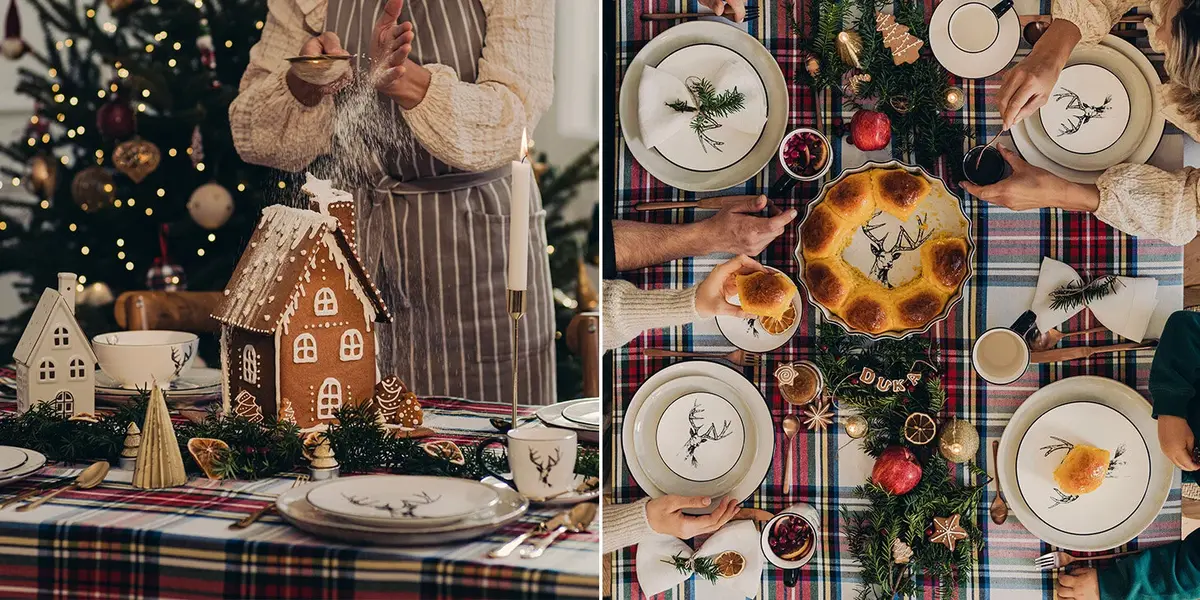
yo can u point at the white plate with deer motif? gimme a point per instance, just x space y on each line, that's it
400 501
749 333
1099 412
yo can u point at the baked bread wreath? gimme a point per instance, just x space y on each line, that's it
862 302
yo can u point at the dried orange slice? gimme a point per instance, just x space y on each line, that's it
445 449
919 429
207 451
730 563
775 326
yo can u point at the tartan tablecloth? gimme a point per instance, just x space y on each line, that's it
119 542
1009 248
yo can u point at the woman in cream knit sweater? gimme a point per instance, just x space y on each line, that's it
1137 199
426 139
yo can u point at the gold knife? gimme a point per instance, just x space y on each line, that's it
714 203
1079 352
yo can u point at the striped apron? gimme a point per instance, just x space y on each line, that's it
435 238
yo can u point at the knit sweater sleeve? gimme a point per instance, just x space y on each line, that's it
1093 17
624 525
1146 201
269 125
628 311
477 125
1168 572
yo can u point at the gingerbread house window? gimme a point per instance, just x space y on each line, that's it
352 345
77 372
325 303
46 370
64 403
250 364
304 350
62 338
329 398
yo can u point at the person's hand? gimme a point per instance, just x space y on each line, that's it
1080 584
738 230
720 284
1030 187
718 7
307 93
390 45
1176 439
1027 86
665 516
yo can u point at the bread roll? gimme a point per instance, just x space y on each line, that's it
829 281
868 310
899 192
1082 470
766 294
853 198
944 262
824 233
917 303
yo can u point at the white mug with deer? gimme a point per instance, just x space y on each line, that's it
541 459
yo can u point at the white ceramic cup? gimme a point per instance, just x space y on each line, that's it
810 516
1000 355
974 27
542 460
140 359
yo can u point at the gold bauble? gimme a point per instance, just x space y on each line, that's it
856 426
959 441
849 47
136 158
43 175
92 189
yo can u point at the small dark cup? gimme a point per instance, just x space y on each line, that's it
986 170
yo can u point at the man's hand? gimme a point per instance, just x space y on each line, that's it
737 6
720 284
1081 584
1031 187
1177 441
391 42
738 230
665 516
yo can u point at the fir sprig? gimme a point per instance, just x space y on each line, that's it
710 105
1073 294
704 566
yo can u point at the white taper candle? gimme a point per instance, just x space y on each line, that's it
518 232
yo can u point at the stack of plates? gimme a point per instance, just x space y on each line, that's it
197 386
582 416
1098 412
698 428
18 463
401 510
1104 110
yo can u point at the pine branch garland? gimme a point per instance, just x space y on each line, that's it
710 106
704 566
1078 293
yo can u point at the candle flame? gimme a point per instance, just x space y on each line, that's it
524 145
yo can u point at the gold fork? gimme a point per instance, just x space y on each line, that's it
249 519
738 357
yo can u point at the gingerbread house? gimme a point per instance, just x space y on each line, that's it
298 317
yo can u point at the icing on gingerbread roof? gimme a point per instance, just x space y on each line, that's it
323 193
269 274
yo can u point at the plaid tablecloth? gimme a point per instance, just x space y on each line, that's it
119 542
1009 247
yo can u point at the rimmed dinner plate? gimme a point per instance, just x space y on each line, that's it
294 508
11 458
644 419
197 381
570 498
551 416
748 333
401 501
969 41
585 413
1022 135
1100 412
34 463
703 176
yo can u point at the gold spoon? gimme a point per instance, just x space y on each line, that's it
791 426
89 478
578 519
999 508
1049 339
979 157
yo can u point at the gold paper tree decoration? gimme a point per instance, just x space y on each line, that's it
159 463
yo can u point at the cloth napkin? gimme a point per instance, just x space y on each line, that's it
751 118
1126 312
655 576
658 121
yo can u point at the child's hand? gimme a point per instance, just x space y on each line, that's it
1177 441
1082 584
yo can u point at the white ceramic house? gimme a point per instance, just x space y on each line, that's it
55 362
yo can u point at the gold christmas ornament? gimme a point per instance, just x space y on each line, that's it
919 429
959 441
118 5
136 158
849 47
856 426
159 463
93 189
43 175
954 98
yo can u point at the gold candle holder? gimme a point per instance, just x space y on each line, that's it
516 310
954 98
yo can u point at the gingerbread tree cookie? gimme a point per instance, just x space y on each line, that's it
397 403
905 47
245 406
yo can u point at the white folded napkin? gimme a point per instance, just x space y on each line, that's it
1126 311
658 121
751 118
655 576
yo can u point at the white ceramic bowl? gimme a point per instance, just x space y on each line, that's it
138 359
802 511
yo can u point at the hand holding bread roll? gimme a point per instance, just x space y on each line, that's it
721 283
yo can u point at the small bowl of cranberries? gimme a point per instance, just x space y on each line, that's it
789 540
805 154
